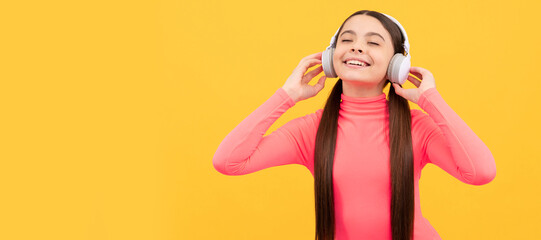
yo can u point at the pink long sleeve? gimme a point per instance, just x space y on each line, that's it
244 150
361 176
453 146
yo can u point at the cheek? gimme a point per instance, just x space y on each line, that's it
387 61
337 56
384 60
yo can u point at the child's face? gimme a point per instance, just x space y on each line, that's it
366 33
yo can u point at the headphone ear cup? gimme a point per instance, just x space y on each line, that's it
399 68
327 63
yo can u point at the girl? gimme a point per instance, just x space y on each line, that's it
365 152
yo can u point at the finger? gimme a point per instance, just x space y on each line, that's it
418 75
416 69
320 83
398 89
304 65
314 56
313 73
414 80
421 71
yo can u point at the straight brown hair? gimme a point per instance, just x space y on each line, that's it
401 153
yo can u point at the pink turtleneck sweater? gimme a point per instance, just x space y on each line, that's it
361 170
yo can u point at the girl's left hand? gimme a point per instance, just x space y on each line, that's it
427 82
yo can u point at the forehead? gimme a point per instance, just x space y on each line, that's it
364 23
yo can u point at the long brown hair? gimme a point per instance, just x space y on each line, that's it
401 153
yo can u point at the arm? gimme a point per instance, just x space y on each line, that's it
244 150
452 145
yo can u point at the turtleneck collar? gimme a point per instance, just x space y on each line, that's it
364 105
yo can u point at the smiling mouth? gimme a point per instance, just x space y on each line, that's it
356 64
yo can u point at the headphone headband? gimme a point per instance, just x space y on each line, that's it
406 42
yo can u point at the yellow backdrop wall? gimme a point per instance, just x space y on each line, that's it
111 112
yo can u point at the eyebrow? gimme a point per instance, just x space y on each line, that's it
367 34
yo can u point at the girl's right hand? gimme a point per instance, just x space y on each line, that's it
297 86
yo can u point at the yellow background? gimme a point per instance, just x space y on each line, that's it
111 112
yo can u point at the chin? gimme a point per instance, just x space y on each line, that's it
358 78
368 75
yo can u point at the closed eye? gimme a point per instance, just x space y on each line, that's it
346 40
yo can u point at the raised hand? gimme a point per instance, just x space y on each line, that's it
297 85
427 82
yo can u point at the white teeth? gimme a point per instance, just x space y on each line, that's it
355 62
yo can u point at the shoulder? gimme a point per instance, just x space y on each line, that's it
420 121
318 113
306 122
417 115
303 131
423 127
313 118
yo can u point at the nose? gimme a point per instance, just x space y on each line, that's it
356 49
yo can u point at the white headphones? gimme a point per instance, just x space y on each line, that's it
399 66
